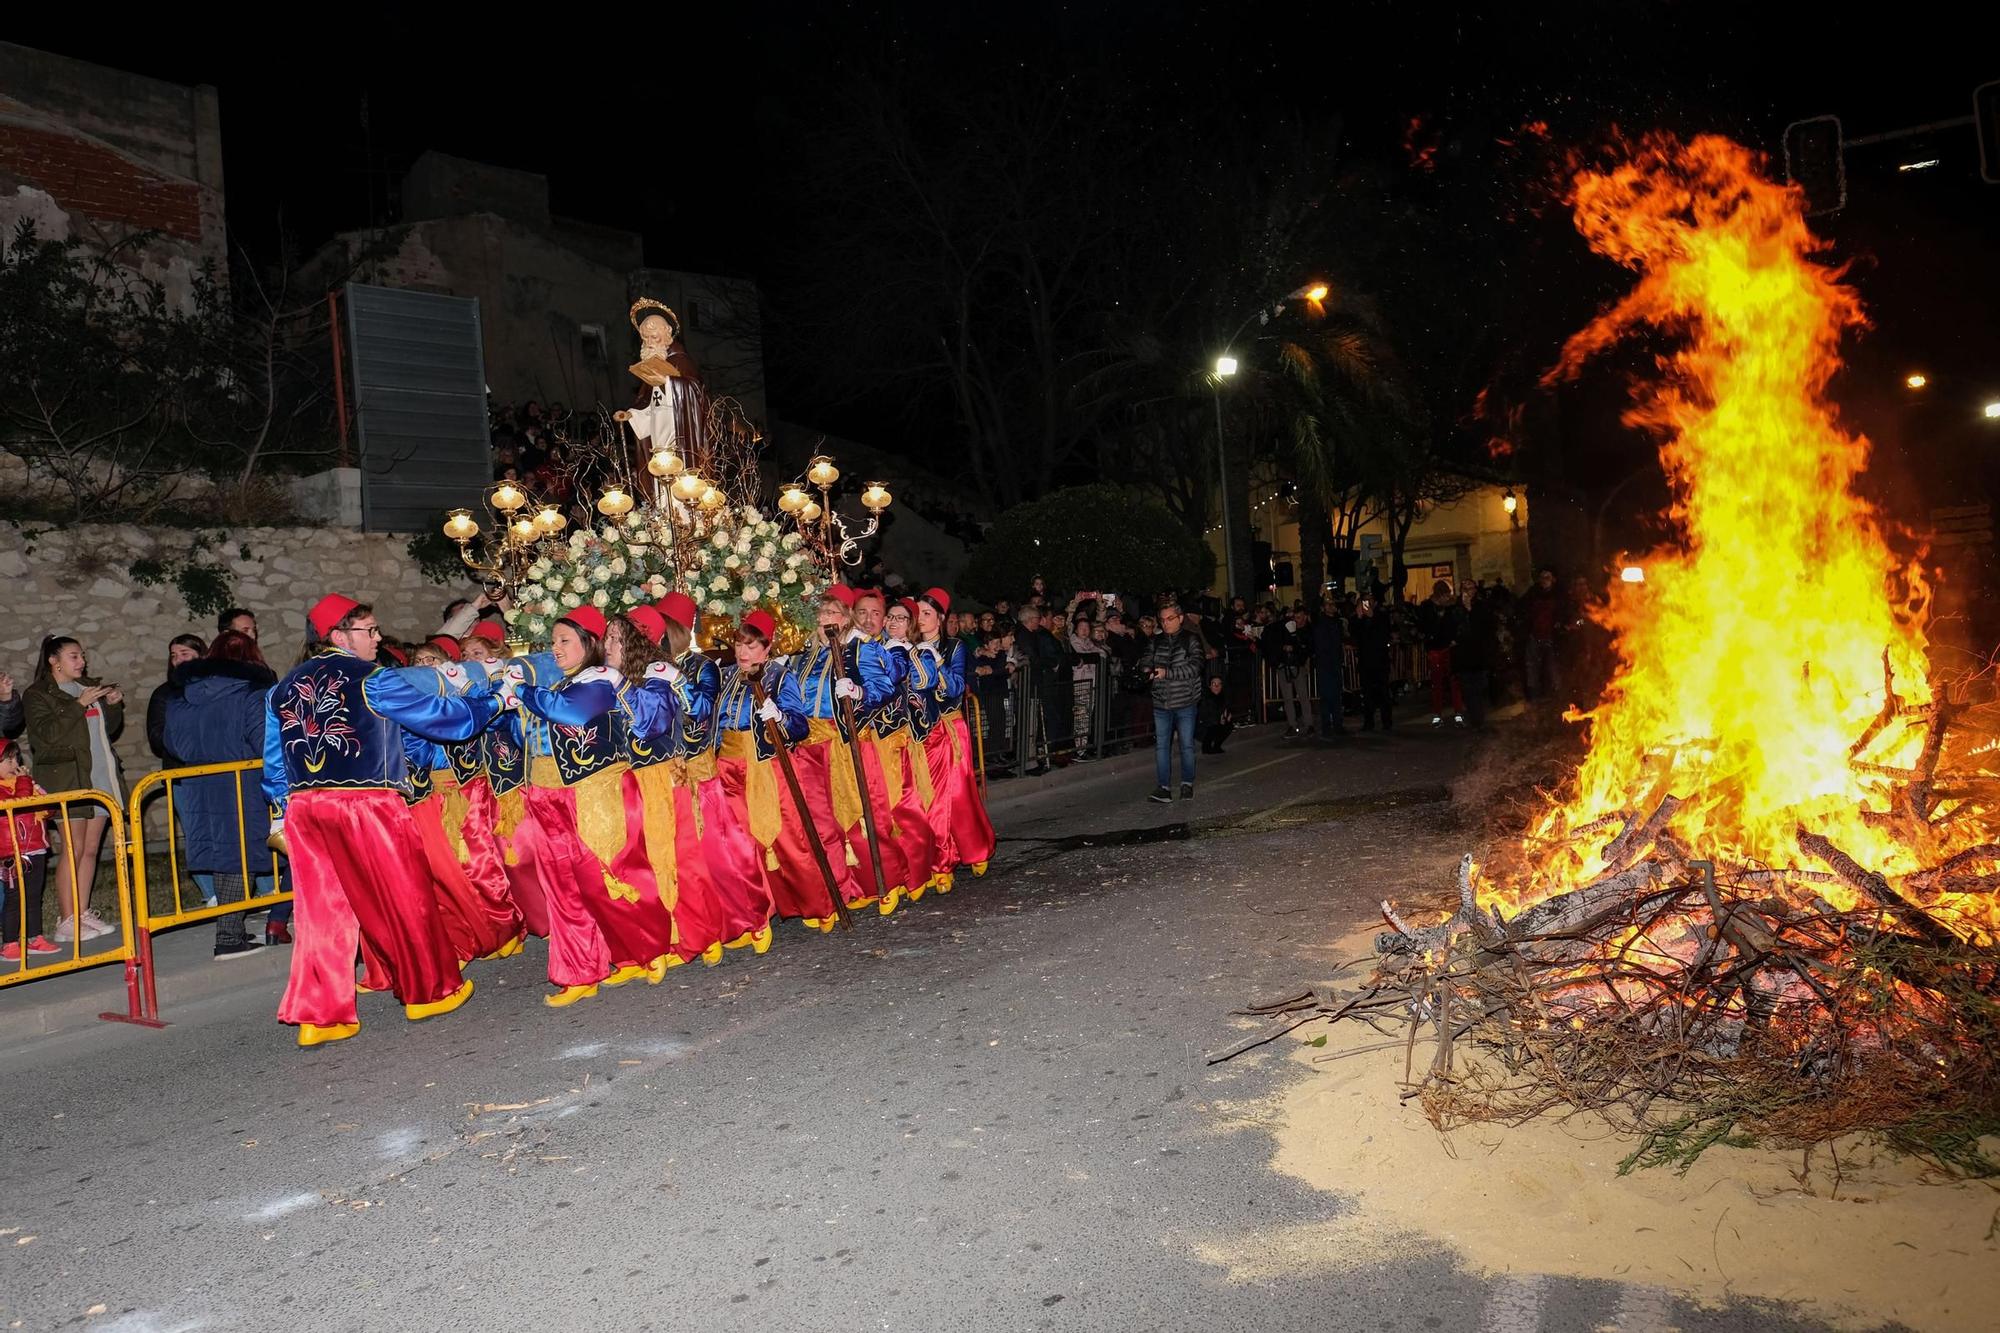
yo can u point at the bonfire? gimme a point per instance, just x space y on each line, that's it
1765 905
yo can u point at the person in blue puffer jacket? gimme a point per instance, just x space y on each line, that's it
215 717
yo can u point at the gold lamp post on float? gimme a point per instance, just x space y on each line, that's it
516 522
817 520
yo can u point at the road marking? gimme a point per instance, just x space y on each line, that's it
1515 1305
1643 1310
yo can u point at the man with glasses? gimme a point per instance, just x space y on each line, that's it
335 770
1175 662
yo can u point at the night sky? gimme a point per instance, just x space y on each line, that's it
680 122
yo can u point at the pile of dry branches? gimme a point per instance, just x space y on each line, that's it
1691 1003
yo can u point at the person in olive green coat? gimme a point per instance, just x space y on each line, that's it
72 718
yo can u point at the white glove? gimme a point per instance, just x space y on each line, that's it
768 710
517 673
454 673
666 671
846 689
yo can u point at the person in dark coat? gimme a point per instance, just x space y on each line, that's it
181 649
218 718
1046 659
1371 651
1474 646
1330 662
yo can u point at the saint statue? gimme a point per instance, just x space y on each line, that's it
671 411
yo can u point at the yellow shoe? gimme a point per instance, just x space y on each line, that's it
979 869
569 995
760 940
827 923
630 972
892 902
944 882
313 1034
417 1012
810 922
856 904
740 942
513 946
674 960
362 988
712 954
656 971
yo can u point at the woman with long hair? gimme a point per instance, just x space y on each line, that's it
72 718
747 764
937 688
603 929
723 895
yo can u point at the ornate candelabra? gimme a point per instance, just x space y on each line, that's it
823 527
515 523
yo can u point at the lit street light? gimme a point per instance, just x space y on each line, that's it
1917 381
1993 411
1225 366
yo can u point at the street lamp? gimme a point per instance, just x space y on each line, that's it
1916 380
1992 410
1225 366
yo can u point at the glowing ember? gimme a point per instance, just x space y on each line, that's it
1751 653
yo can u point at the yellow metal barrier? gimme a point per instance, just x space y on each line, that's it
251 861
978 720
128 948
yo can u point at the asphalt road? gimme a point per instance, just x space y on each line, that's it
988 1112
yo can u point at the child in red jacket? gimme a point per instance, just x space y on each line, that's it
24 857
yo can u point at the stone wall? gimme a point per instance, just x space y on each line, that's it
77 581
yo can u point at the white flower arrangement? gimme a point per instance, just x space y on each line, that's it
751 594
763 565
600 599
612 568
734 561
791 541
716 607
791 576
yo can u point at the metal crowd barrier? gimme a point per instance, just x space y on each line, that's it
125 951
252 863
138 921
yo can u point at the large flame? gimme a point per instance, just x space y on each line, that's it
1752 657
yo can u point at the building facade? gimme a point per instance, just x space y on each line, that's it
114 160
553 292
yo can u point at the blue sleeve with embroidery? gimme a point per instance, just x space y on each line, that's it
653 708
792 704
541 668
435 717
577 706
877 675
699 684
277 783
951 684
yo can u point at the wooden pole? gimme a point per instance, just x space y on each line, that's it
777 736
846 709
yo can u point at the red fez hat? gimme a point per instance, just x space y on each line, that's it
490 630
8 747
586 618
648 622
843 594
940 599
327 612
760 623
397 655
447 645
863 594
909 604
677 607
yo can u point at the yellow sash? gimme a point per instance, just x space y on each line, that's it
656 794
456 808
760 787
840 771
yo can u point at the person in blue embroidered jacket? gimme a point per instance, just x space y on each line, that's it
335 771
605 928
937 690
827 679
747 765
723 895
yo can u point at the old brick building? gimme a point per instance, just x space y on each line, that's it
101 155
